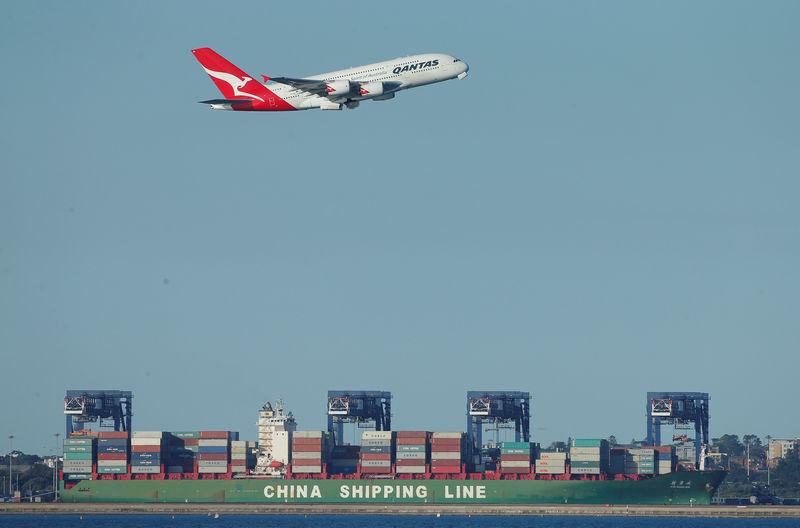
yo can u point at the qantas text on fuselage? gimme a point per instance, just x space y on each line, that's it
328 91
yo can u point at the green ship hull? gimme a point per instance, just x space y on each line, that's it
696 487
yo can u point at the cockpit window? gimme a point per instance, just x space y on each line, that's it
456 60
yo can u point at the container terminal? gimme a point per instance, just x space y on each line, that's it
286 465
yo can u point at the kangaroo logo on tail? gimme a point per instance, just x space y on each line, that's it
234 81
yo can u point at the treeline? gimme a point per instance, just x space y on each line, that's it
29 475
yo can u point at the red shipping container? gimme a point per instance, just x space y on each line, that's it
445 469
376 469
445 448
515 470
411 434
307 441
376 456
145 449
445 441
112 456
214 434
515 457
410 462
212 456
191 441
307 462
444 461
113 434
306 449
410 441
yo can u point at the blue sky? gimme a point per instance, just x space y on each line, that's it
606 206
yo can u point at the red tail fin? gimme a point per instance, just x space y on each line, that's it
231 81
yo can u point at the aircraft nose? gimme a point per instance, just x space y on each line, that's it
464 68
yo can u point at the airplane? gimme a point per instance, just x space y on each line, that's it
328 91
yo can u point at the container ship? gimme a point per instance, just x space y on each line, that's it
288 465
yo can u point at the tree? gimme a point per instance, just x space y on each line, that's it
612 440
729 444
557 446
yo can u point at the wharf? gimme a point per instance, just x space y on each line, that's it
460 510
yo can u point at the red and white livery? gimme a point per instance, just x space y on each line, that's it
328 91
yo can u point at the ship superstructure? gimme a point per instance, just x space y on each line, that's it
274 438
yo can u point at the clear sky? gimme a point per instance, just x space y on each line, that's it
607 205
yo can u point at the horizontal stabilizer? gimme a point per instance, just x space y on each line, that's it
226 101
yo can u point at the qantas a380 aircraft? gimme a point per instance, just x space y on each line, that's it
328 91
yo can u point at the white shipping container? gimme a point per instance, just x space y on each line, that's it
215 469
584 458
550 470
376 442
238 469
145 469
410 469
212 442
445 455
306 455
146 441
515 464
238 451
410 456
77 466
550 463
212 463
148 434
376 463
585 451
308 434
306 469
584 471
553 456
448 434
376 435
102 463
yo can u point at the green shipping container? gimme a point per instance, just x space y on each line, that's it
411 449
587 442
186 434
78 441
585 464
78 449
515 445
78 456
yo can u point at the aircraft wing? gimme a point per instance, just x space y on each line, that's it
227 101
307 85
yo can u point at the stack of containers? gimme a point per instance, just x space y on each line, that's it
79 453
446 452
112 452
411 451
640 461
551 463
146 448
238 456
665 459
344 459
589 456
252 454
182 451
515 457
618 456
213 451
376 451
307 451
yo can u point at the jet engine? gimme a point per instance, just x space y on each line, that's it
339 88
371 89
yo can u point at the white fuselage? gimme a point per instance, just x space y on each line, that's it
397 74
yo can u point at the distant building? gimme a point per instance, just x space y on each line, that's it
780 447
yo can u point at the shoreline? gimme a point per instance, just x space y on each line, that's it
459 510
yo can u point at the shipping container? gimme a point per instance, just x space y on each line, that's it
447 434
376 435
411 449
148 434
307 434
553 456
515 464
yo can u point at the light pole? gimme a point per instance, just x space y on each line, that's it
55 471
10 449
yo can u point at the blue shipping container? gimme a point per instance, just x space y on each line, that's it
376 449
212 449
